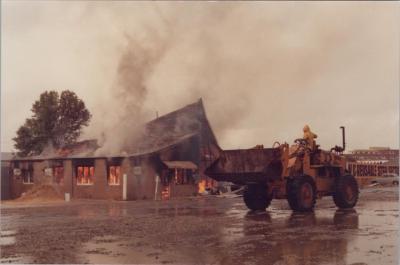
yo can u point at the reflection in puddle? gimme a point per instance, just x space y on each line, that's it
344 237
7 237
112 250
87 213
7 240
16 260
186 211
238 213
372 243
232 234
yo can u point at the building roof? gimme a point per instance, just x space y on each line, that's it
174 127
180 164
6 156
379 148
161 133
84 148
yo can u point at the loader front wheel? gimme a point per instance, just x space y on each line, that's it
256 197
345 194
301 193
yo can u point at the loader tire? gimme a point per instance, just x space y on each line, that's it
256 197
345 194
301 194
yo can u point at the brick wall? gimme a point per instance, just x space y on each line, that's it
141 181
68 177
100 188
17 185
141 174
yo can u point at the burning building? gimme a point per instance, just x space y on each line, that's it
167 159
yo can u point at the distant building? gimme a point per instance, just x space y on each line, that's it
374 161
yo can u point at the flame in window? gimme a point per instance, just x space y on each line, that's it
114 175
85 175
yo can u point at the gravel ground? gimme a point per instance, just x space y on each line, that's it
201 230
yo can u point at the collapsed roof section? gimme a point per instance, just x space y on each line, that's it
175 127
85 148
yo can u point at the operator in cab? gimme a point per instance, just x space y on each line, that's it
309 136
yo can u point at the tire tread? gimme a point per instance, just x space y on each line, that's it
338 194
292 190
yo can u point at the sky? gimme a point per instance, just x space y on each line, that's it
263 69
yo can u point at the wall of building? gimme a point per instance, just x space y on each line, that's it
5 181
374 155
141 175
365 170
68 182
100 189
368 164
18 187
40 178
188 150
142 179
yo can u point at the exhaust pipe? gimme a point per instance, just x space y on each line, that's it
343 138
340 149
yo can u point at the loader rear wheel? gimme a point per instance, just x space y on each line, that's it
345 194
256 197
301 193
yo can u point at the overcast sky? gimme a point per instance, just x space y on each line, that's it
263 69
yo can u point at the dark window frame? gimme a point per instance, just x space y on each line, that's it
182 176
116 164
90 176
117 175
29 174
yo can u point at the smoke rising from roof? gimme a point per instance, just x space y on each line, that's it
263 69
124 116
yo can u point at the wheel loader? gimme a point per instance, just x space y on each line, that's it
296 173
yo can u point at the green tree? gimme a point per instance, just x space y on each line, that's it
57 121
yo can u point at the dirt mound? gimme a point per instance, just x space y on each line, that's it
42 193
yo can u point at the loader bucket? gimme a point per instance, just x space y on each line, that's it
247 165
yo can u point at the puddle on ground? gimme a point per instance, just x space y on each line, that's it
112 250
220 232
7 237
354 236
16 260
376 240
326 236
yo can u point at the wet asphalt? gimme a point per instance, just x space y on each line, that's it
201 230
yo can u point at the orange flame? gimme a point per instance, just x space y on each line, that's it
202 186
165 193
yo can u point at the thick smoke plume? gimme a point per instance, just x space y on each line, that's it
190 60
263 69
126 117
